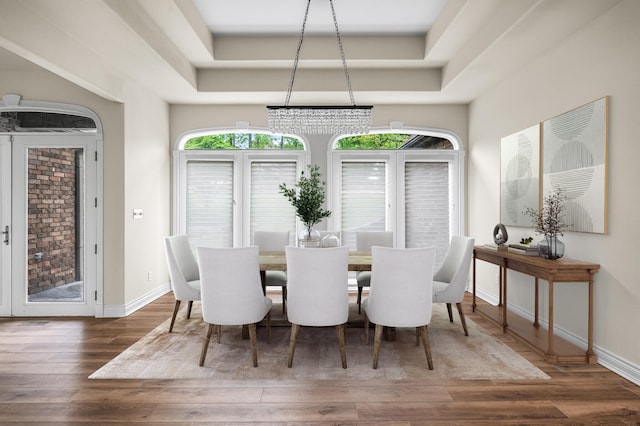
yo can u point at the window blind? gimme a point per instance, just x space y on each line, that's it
427 206
269 209
209 203
363 197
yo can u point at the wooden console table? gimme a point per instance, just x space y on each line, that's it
559 270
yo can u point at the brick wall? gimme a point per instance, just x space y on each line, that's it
52 218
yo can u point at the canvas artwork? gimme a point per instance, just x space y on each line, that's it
574 159
519 176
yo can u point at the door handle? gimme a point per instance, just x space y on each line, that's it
6 235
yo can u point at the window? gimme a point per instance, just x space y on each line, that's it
227 186
405 183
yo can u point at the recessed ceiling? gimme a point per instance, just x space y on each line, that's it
284 17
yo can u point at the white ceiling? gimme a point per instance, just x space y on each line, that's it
285 17
237 52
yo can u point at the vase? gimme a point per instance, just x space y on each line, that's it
309 238
551 247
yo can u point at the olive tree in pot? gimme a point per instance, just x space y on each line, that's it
308 197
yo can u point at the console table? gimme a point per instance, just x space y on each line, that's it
560 270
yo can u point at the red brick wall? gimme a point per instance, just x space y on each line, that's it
52 218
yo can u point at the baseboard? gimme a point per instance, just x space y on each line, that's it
120 311
610 361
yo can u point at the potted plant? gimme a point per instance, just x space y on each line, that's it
549 222
308 197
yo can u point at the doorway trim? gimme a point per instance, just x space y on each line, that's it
14 103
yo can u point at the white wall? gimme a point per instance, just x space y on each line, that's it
147 187
600 60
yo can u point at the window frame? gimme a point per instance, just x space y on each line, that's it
241 159
396 160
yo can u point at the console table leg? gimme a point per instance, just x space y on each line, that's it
536 306
473 303
591 356
550 353
503 274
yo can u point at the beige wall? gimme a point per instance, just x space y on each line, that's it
601 60
452 118
147 187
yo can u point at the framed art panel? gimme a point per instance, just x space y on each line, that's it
519 175
574 147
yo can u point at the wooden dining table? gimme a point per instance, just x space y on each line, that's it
277 261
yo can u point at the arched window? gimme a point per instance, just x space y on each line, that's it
227 185
406 182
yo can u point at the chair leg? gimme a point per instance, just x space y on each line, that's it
189 309
175 312
427 347
376 345
205 345
218 332
462 320
366 328
268 327
342 343
450 313
254 344
292 343
359 298
284 300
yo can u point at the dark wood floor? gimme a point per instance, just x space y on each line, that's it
44 364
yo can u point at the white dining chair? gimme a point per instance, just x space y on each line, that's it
274 241
318 292
232 293
183 273
400 294
450 282
364 241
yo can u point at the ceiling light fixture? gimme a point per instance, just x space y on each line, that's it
317 119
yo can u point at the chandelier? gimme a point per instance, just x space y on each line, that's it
319 119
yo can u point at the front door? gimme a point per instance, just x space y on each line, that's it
53 224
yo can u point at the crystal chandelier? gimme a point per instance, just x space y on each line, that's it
309 119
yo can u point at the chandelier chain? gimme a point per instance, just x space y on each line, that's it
292 77
344 61
295 61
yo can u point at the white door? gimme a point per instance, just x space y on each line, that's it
53 235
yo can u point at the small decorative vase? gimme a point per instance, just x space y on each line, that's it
309 238
551 247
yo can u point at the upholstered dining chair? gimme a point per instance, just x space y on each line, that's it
274 241
232 293
183 273
364 241
318 292
400 294
450 282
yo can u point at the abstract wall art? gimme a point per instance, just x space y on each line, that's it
519 175
574 158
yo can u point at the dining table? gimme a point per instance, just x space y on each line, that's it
277 261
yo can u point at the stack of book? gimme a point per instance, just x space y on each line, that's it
496 246
527 250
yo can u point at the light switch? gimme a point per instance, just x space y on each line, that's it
137 213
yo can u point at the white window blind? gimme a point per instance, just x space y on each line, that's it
270 210
209 203
363 197
427 203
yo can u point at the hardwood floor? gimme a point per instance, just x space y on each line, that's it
44 364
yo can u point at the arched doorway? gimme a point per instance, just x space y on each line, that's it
49 209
